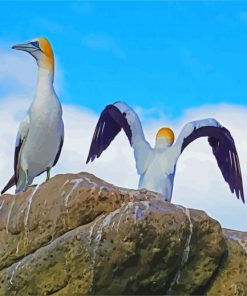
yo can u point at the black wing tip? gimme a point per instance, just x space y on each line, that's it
239 195
89 158
234 178
109 124
4 190
239 192
10 184
242 197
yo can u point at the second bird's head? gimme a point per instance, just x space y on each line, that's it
40 48
164 138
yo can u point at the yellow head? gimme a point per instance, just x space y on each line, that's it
40 48
165 137
48 57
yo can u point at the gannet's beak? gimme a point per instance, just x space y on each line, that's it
29 46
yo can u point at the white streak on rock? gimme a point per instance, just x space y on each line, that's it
100 190
17 248
91 182
2 203
119 221
243 244
92 229
236 237
9 214
26 218
13 272
186 250
187 247
128 206
124 210
138 211
106 222
61 190
15 267
29 203
146 205
76 182
129 192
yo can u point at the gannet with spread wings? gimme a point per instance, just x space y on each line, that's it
157 166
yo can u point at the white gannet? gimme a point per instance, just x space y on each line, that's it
40 136
157 166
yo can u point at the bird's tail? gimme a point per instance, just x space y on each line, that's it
9 185
21 183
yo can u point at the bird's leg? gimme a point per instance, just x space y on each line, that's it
48 172
26 177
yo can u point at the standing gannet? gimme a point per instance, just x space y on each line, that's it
157 166
40 136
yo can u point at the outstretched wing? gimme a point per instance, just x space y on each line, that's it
20 139
223 148
113 119
110 123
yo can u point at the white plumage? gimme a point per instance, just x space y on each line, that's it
40 136
157 166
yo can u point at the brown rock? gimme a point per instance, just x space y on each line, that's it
36 217
77 234
232 276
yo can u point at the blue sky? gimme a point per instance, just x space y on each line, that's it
162 56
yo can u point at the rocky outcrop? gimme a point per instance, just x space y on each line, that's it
232 276
77 234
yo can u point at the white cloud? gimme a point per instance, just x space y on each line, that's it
198 184
17 70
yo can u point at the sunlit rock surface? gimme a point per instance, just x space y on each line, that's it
77 234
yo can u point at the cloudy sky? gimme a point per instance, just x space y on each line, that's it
172 61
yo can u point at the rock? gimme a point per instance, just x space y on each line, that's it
77 234
232 276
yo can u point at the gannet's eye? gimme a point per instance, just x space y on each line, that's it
35 43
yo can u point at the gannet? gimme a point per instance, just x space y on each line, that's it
157 166
40 136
